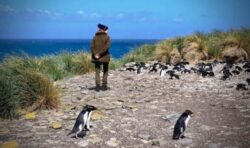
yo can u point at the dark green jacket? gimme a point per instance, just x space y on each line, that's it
100 45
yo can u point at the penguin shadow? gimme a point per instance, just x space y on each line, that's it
81 134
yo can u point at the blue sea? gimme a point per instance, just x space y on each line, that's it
41 47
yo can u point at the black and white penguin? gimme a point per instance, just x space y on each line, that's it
163 70
181 125
82 123
248 81
241 86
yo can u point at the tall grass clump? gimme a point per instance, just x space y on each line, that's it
81 63
115 64
25 89
52 66
140 54
163 49
9 100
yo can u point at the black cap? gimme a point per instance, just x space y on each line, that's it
103 27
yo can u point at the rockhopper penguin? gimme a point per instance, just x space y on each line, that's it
82 121
181 125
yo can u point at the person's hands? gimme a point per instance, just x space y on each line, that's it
97 56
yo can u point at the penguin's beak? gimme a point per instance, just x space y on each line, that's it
192 114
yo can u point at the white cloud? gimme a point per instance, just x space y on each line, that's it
119 16
6 8
95 15
88 14
178 20
80 12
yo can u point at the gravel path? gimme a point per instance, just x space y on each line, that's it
140 111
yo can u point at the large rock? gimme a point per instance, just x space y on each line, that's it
10 144
113 142
30 116
56 125
175 56
191 53
234 53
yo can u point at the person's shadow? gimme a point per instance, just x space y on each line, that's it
93 88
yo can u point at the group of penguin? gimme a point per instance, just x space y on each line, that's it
201 69
82 123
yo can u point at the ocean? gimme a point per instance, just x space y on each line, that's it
41 47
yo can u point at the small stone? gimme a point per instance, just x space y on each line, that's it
84 92
10 144
171 117
228 133
96 115
83 143
25 135
94 139
206 128
79 98
63 87
113 142
29 124
30 116
159 142
132 106
56 125
185 141
4 131
213 145
113 132
144 136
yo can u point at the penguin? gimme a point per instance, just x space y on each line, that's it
241 86
82 121
163 71
238 68
181 125
236 72
248 81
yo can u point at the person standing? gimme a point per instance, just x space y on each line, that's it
100 45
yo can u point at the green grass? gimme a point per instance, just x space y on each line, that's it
140 54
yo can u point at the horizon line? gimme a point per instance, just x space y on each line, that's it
80 38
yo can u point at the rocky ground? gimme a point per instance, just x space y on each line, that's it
140 111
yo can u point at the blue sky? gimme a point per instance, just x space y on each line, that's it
129 19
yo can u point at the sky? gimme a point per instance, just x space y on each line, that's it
126 19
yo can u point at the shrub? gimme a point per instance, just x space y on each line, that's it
9 101
82 63
53 67
141 54
24 89
163 49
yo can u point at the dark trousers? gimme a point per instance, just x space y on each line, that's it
105 73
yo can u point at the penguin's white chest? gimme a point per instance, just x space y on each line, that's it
162 73
85 118
187 120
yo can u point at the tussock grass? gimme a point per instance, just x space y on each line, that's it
25 89
28 82
210 44
163 49
140 54
9 100
82 63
